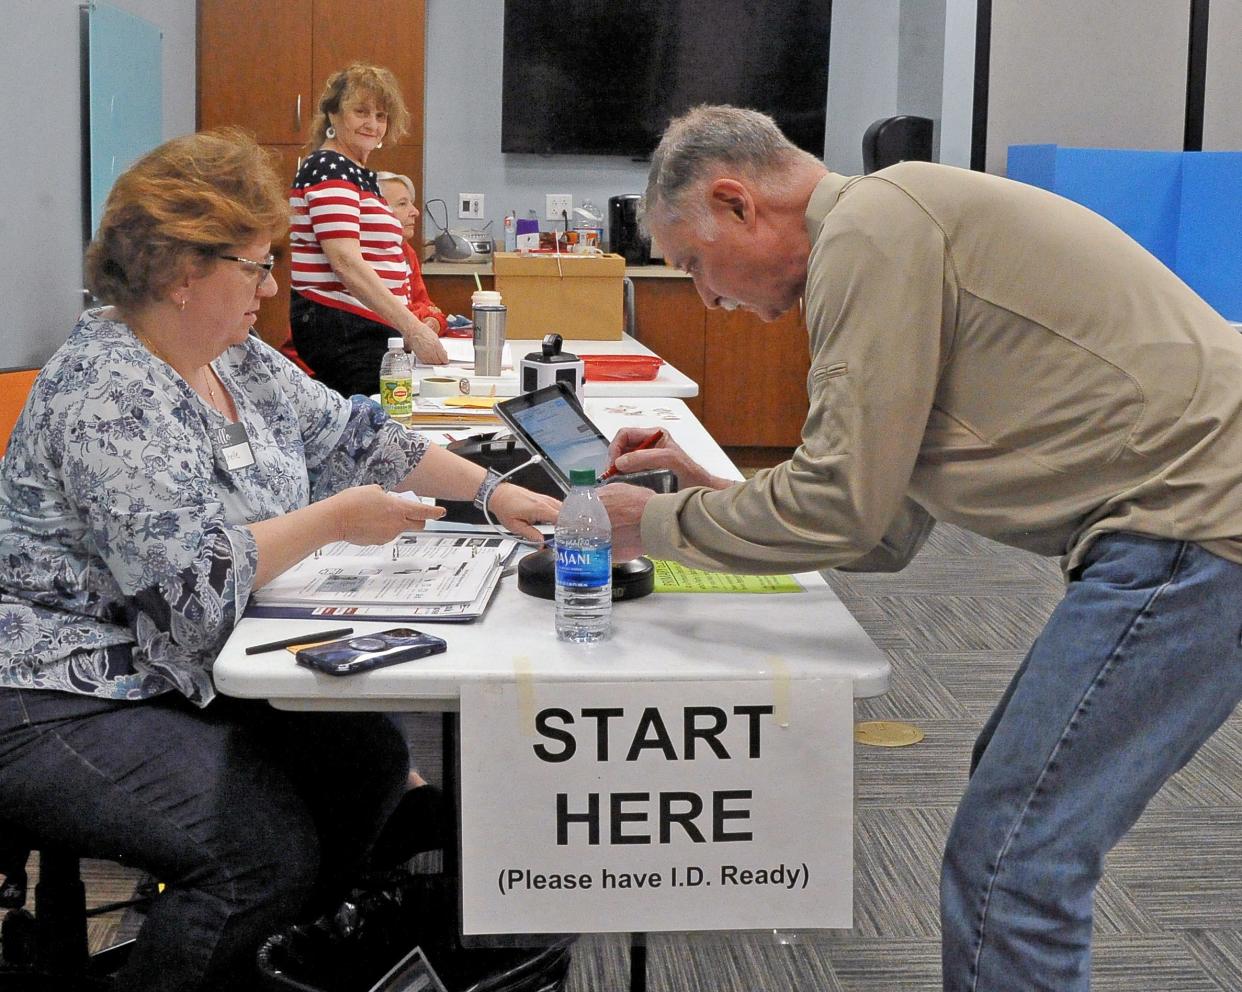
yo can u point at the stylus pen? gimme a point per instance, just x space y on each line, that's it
642 445
308 638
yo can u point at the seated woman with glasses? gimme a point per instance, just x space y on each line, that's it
167 464
398 192
347 265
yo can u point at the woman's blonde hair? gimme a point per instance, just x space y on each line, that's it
179 206
354 81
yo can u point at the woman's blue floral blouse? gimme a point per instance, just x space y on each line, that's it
124 556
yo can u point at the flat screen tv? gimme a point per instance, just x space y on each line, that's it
604 77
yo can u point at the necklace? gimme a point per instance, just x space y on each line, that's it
211 390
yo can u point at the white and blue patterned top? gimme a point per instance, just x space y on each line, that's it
124 556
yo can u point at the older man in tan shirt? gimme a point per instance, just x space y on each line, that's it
990 354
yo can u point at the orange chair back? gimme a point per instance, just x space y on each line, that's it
14 388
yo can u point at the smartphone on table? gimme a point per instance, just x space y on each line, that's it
363 652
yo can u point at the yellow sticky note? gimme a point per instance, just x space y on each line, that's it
472 402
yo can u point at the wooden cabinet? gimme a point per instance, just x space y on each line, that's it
751 375
670 319
262 65
765 367
254 68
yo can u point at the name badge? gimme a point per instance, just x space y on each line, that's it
233 444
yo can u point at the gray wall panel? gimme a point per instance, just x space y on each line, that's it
1091 73
1222 104
41 219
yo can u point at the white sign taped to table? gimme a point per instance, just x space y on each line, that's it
616 807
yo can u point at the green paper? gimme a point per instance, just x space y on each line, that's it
673 577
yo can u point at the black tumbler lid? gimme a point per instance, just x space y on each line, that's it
630 579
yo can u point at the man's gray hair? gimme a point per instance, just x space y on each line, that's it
746 142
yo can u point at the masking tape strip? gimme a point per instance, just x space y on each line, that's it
524 679
782 689
439 385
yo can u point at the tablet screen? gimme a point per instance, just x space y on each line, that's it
563 435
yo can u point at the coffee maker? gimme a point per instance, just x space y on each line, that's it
624 237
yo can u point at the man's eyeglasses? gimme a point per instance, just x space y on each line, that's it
262 269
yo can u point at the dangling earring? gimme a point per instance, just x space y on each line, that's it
330 133
180 304
379 144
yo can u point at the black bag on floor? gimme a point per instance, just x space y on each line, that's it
378 927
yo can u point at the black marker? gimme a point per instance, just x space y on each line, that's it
288 642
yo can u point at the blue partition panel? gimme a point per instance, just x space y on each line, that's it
1139 191
1209 244
1034 164
1183 207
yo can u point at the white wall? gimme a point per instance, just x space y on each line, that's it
41 174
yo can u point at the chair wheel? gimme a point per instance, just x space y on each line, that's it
17 934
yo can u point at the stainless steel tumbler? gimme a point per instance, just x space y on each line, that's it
489 315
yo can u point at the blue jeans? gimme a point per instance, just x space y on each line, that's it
250 815
1138 665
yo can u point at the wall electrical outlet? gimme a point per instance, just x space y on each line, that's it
556 203
470 206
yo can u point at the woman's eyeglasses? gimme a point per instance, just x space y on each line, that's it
261 269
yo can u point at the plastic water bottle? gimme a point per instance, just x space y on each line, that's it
583 563
396 382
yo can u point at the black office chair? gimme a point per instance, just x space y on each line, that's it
47 951
897 139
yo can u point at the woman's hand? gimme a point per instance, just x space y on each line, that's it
665 453
369 515
423 340
518 509
362 515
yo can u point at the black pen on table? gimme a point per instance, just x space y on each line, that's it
308 638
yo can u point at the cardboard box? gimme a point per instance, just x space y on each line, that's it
582 298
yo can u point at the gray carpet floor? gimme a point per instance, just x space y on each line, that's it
956 623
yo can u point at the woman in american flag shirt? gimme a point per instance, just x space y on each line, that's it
348 271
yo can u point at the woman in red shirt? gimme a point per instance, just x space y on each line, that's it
399 193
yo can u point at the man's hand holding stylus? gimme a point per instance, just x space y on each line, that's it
624 453
625 504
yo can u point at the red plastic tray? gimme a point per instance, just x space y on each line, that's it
619 368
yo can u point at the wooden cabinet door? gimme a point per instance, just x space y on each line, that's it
755 375
273 322
382 32
254 68
670 319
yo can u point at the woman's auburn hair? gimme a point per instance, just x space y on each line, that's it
179 206
355 80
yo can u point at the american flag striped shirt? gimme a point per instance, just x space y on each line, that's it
334 197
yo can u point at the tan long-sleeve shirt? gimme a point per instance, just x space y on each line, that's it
990 354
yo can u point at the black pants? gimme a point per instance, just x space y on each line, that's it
345 350
250 815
